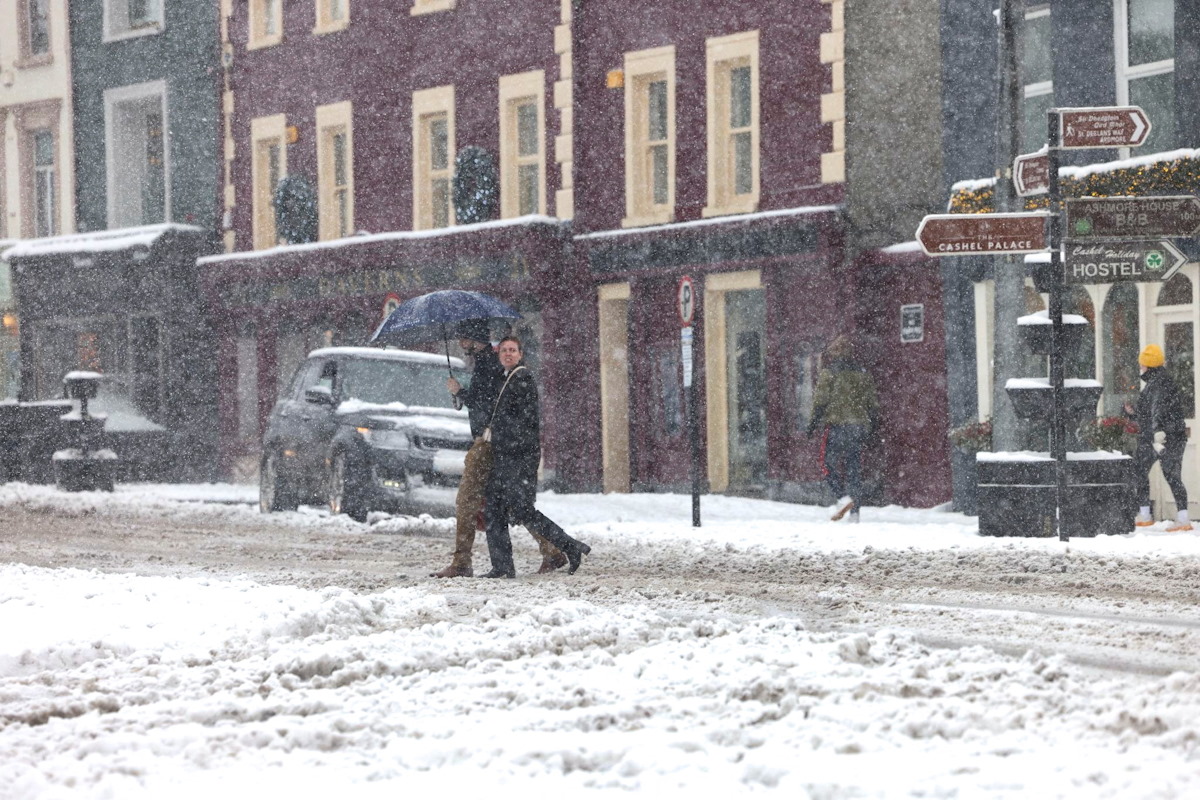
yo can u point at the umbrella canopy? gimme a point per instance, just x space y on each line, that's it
432 317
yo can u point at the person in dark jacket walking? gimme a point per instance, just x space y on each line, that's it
846 402
479 398
1162 437
515 435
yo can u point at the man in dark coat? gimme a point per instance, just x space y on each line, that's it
1162 436
515 435
479 397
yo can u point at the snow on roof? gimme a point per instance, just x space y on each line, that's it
96 241
1043 318
389 236
387 354
733 218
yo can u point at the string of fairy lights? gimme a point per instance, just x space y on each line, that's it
1168 177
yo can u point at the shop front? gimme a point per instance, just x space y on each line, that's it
123 303
271 307
770 302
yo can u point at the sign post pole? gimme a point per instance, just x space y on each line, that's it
686 297
1058 428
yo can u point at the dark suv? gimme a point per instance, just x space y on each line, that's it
363 428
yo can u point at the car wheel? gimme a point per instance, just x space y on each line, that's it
345 489
274 494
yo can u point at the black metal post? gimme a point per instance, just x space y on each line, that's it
694 435
1058 428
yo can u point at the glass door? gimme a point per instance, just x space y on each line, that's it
1175 330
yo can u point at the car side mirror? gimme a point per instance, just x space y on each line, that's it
319 395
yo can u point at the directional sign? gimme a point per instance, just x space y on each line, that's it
1114 126
1091 218
982 234
1112 262
1031 173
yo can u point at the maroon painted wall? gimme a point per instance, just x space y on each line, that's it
377 63
911 377
791 82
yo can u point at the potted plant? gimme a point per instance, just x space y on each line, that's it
972 438
1109 433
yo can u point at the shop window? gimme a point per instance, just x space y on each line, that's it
332 15
649 137
433 162
268 137
1176 292
146 382
1179 349
135 121
522 144
430 6
125 18
266 23
807 367
335 167
1145 65
733 124
34 41
1081 362
1119 343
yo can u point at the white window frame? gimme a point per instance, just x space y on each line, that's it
120 96
515 91
642 68
725 53
115 10
327 20
331 119
265 24
41 174
1126 72
265 131
429 105
430 6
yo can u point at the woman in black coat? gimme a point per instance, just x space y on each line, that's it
1162 436
515 433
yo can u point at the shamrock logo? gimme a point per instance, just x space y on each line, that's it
1154 260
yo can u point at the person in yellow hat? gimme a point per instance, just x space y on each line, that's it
1162 436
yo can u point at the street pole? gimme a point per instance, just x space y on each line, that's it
1058 428
1009 270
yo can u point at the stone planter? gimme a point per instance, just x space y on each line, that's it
1035 332
1017 494
1033 399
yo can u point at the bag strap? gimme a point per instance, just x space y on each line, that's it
501 393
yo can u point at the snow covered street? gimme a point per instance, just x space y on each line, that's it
169 642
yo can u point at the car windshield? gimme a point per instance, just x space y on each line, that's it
376 380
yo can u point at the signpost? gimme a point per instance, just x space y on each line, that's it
1111 262
1092 218
1107 239
1031 173
1114 126
686 306
982 234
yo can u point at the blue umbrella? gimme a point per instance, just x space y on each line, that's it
435 315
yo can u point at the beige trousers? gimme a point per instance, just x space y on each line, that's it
469 503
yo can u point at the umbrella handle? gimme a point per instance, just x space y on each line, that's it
449 368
